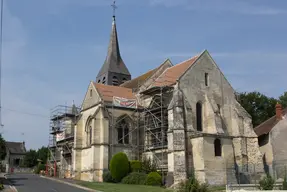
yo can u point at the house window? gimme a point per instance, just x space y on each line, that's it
123 132
206 78
217 147
198 116
115 81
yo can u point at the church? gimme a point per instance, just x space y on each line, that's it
185 116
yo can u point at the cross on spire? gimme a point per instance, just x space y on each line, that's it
114 8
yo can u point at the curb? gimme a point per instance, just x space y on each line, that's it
71 184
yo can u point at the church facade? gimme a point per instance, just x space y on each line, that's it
184 116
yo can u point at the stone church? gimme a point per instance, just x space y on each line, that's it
184 116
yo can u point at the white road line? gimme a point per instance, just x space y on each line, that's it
13 188
54 190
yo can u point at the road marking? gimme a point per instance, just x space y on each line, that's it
13 188
54 190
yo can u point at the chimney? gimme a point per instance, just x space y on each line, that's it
278 111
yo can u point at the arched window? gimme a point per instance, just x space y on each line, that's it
198 116
217 147
115 81
123 131
91 135
99 81
104 80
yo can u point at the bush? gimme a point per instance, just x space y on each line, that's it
1 187
136 166
107 177
39 168
284 184
267 183
135 178
119 166
149 166
192 185
153 179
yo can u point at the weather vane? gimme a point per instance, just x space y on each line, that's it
114 8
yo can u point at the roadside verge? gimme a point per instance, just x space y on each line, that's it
71 184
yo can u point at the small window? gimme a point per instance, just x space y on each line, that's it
104 80
91 93
99 81
115 81
206 77
217 147
198 116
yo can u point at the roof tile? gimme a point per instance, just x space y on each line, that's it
172 74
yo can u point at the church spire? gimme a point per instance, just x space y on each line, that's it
114 70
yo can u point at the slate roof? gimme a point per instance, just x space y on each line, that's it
268 125
114 61
16 147
172 74
108 91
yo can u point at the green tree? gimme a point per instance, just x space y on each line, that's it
258 105
42 154
2 148
283 100
30 159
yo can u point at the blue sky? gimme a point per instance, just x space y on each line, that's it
53 48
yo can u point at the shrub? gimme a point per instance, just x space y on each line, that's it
266 183
1 187
107 177
119 166
192 185
135 178
284 184
136 166
154 179
149 165
40 167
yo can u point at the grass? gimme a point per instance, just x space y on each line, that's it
112 187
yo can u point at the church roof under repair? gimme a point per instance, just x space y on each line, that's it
167 78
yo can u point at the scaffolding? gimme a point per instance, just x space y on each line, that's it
147 135
61 139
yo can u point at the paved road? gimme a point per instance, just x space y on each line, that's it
34 183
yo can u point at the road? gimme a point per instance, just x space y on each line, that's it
34 183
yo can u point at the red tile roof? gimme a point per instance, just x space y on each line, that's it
172 74
107 92
268 125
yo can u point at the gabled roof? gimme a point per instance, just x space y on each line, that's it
16 147
172 74
114 62
107 92
268 125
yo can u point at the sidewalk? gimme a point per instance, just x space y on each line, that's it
6 183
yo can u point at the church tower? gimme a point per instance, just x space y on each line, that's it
114 71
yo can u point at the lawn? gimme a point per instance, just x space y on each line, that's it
111 187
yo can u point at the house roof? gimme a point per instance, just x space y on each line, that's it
138 81
108 91
16 147
268 125
172 74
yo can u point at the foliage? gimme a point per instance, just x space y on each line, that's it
193 185
259 106
107 177
1 187
30 159
284 184
2 148
154 179
135 178
266 183
136 166
119 166
39 168
283 99
149 165
32 156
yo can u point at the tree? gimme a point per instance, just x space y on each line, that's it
258 105
2 148
283 100
42 154
30 159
